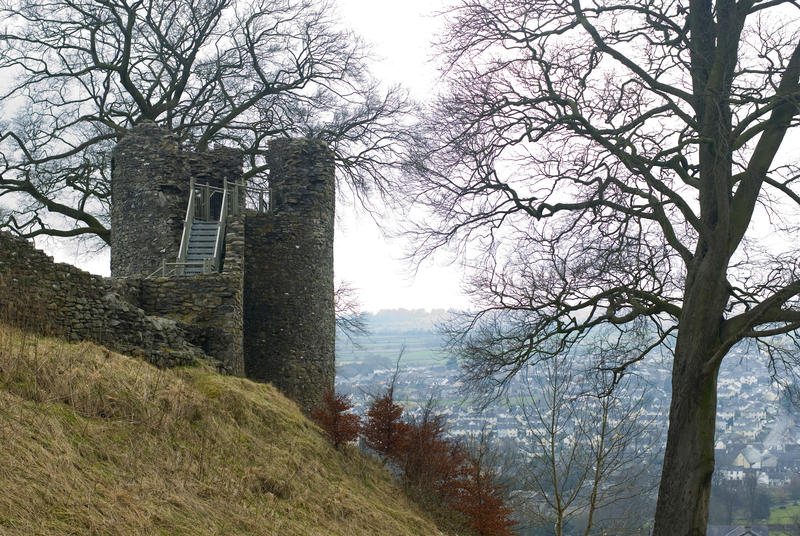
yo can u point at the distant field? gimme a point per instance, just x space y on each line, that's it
785 515
381 349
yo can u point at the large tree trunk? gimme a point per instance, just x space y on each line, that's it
689 458
683 495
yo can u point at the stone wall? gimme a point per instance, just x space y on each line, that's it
269 315
289 319
61 300
149 189
233 260
207 307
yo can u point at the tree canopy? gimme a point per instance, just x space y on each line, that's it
621 171
79 73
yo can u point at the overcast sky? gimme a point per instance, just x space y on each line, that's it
400 34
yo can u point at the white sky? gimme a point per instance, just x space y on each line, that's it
400 34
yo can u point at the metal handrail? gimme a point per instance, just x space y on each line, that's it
247 197
162 269
187 225
242 197
257 198
218 244
178 266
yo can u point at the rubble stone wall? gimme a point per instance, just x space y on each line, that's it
207 307
150 178
60 300
269 315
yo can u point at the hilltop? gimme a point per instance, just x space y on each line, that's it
95 442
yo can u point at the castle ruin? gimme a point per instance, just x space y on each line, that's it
202 265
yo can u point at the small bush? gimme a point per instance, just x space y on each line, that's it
332 417
480 499
384 430
434 467
428 459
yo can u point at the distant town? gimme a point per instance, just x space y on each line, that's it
757 428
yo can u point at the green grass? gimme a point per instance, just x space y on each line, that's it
98 443
785 515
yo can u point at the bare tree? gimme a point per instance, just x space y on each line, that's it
350 320
618 165
588 454
78 74
724 501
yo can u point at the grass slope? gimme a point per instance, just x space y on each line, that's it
92 442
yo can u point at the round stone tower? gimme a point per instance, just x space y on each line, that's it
289 319
150 178
149 189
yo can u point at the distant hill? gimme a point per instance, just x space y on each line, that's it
415 332
399 320
98 443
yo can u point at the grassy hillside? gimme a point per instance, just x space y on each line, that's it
93 442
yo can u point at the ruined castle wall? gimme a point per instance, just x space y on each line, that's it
289 319
61 300
269 315
233 261
207 307
150 192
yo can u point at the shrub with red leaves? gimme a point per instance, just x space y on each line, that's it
332 417
383 430
427 459
436 466
481 501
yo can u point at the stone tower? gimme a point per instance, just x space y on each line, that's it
275 292
150 179
289 320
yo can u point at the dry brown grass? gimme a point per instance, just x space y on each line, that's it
98 443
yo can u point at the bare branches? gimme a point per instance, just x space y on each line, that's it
350 319
81 73
577 163
615 175
588 449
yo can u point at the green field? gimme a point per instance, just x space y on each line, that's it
421 348
785 515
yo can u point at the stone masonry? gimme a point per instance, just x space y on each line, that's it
150 177
268 314
289 319
61 300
